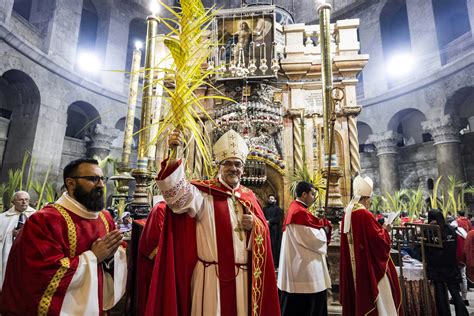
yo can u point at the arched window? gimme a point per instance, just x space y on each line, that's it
137 32
120 125
88 28
396 42
452 27
407 123
20 100
80 116
363 133
395 29
23 8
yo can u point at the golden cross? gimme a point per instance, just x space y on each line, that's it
239 229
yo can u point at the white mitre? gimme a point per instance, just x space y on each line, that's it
230 145
361 186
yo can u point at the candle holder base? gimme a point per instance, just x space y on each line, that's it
140 206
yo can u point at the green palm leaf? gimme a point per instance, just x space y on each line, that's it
189 47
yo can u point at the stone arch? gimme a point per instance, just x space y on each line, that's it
120 125
80 116
20 100
273 185
363 132
460 105
407 123
395 29
136 32
452 26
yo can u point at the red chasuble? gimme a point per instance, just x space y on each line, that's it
147 250
170 290
298 214
372 261
44 259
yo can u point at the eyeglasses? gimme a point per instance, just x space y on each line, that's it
94 179
228 164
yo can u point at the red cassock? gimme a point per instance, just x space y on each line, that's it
45 257
170 290
298 214
147 250
372 261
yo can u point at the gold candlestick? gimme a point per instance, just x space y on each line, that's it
146 115
132 104
326 68
141 206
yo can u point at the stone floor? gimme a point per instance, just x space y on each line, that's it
337 310
470 298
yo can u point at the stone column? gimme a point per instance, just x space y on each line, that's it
387 153
445 132
112 46
100 140
6 7
63 32
375 80
424 40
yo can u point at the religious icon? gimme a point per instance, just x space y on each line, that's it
245 41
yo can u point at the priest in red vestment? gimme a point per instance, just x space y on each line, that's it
147 250
67 259
368 279
304 282
214 255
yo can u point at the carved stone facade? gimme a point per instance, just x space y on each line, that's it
387 153
443 130
445 133
100 140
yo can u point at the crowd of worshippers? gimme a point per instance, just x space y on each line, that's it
209 248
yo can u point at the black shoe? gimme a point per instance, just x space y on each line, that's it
466 302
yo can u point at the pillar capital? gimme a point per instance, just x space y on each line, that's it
100 140
443 129
385 142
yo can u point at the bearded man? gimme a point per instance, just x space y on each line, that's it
67 259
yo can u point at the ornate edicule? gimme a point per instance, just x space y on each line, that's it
273 73
303 96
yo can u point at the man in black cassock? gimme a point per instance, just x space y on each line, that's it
274 216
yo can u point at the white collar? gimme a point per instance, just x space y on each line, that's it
74 206
228 186
12 211
302 202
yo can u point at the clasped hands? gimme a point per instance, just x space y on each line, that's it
105 247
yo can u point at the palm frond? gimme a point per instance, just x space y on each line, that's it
415 203
42 189
316 179
434 195
189 47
